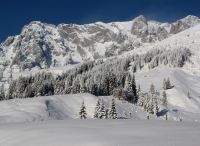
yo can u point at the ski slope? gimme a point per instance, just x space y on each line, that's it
100 133
182 82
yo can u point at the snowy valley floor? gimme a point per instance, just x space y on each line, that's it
100 133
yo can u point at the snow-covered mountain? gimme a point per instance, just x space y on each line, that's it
157 51
42 45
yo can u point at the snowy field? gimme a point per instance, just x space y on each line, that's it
54 120
100 133
64 107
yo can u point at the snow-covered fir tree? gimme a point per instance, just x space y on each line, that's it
138 91
169 86
107 113
150 105
164 98
152 89
83 113
2 93
113 111
102 112
153 104
97 109
112 83
141 101
130 88
134 89
164 84
156 108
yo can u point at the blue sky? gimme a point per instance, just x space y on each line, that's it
14 14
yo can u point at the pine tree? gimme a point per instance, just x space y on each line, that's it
156 108
164 84
97 109
2 93
152 89
169 86
134 90
138 91
112 83
141 101
82 113
150 106
128 84
145 102
102 112
151 100
107 113
164 100
113 112
82 87
130 88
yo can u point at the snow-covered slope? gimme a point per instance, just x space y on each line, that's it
188 39
68 106
178 95
100 133
59 107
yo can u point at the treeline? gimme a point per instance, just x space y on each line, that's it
156 57
101 77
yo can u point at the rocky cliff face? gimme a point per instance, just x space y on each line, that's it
184 24
42 45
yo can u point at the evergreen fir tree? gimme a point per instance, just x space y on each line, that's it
130 88
102 112
156 108
169 86
164 84
164 100
141 102
112 83
107 113
82 87
128 84
134 90
113 112
82 113
2 93
138 91
97 109
152 89
150 106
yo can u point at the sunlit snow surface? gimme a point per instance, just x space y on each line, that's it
100 133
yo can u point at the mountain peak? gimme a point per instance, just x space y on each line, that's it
140 18
191 17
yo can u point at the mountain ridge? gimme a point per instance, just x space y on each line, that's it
41 45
